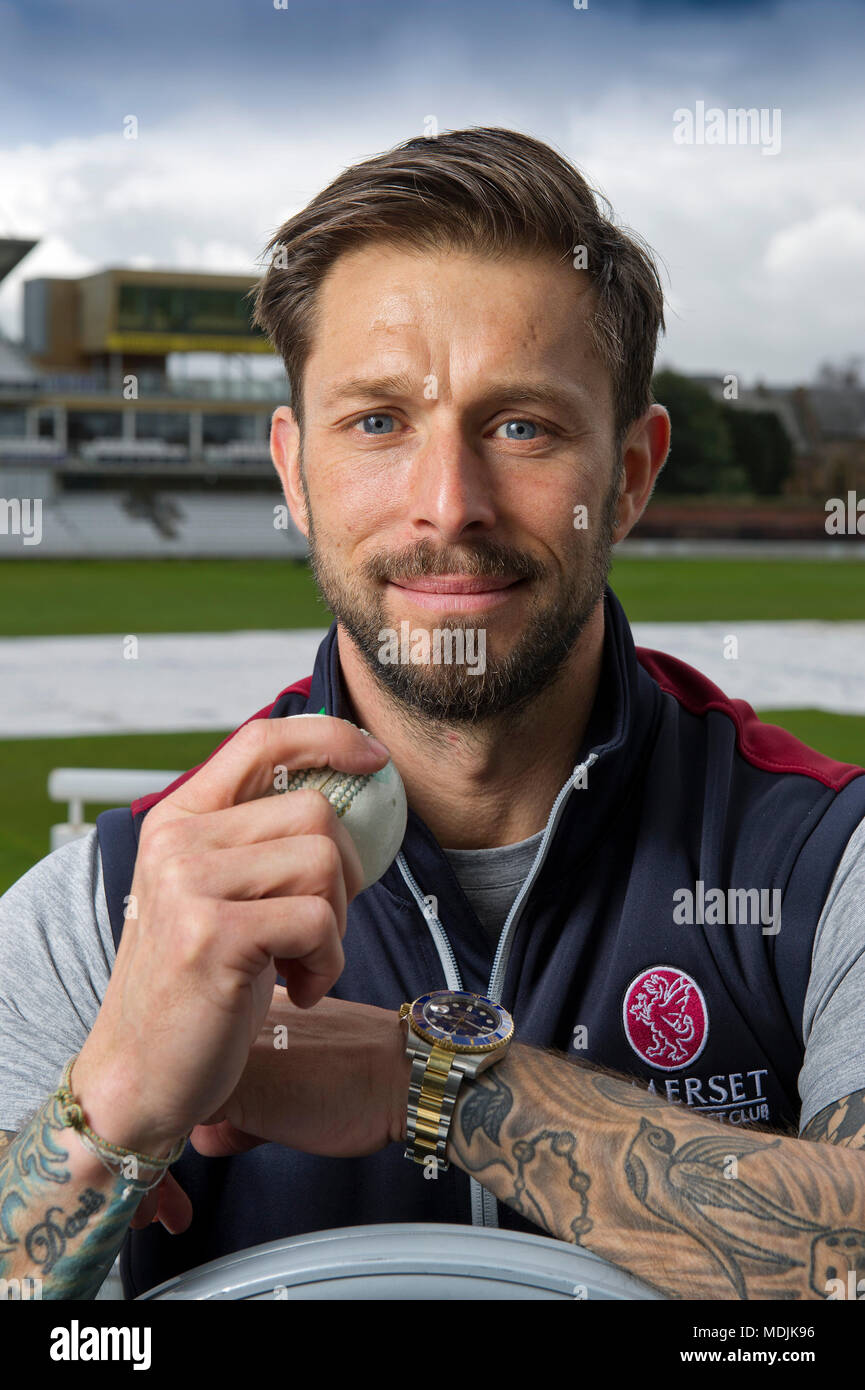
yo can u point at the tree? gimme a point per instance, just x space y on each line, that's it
762 446
701 458
842 374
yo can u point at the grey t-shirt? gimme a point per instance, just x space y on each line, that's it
491 879
57 951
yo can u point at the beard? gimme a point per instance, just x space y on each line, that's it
453 693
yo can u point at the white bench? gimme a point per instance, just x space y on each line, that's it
102 785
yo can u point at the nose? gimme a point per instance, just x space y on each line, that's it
451 486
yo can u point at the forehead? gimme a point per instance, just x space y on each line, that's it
453 312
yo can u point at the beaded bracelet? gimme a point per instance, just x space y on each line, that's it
111 1155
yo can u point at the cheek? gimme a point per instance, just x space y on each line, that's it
347 499
559 511
354 511
544 501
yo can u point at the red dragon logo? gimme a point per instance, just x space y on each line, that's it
665 1017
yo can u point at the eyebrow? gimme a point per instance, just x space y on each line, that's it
403 385
400 384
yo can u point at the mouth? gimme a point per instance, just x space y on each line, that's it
458 593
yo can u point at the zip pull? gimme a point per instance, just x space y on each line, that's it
579 776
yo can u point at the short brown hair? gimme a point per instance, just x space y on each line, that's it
485 190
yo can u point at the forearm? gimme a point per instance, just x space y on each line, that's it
693 1207
63 1215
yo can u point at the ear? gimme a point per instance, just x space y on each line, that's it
644 453
285 452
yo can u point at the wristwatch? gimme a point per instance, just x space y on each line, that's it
451 1034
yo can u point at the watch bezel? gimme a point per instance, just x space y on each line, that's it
449 1042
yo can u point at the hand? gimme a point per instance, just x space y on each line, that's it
230 885
336 1085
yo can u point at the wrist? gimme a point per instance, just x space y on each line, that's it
104 1101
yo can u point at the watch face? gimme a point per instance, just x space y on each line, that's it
461 1021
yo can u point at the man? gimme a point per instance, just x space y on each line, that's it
469 343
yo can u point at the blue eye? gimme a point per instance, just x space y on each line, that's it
381 424
518 429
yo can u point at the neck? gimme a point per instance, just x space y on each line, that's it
480 785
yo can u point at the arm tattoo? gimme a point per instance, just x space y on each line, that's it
486 1109
41 1237
843 1122
692 1207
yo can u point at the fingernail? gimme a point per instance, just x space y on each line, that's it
376 746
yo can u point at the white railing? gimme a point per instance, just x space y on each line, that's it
104 786
30 450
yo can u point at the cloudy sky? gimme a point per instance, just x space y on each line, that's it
245 108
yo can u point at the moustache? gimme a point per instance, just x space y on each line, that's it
489 562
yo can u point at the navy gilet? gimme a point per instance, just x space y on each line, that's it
612 952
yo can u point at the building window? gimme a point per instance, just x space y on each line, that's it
84 425
225 429
171 426
184 309
13 422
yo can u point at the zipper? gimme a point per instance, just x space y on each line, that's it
437 931
453 980
484 1202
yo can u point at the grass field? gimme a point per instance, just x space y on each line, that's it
59 597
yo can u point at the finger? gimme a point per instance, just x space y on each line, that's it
146 1210
167 1202
242 769
304 866
220 1140
226 835
174 1209
302 986
300 935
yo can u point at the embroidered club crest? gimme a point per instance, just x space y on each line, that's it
665 1017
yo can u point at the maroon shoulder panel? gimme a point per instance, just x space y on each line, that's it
144 803
764 745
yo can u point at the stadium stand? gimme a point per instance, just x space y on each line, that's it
107 524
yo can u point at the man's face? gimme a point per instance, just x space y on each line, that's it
456 421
